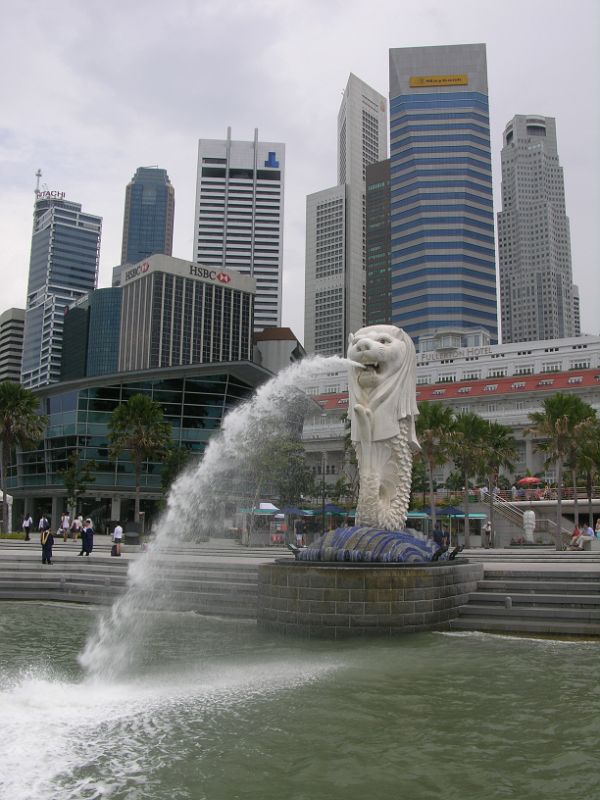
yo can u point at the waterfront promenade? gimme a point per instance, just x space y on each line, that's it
535 590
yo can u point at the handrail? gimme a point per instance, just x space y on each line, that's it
508 510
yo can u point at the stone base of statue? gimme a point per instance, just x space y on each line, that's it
384 584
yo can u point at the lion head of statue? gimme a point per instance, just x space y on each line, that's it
378 351
382 374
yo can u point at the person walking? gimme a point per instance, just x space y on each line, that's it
76 528
65 524
43 524
46 540
26 525
117 536
87 538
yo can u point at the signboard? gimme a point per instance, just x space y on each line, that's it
464 352
419 81
185 269
49 195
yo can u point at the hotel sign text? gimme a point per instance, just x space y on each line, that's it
417 81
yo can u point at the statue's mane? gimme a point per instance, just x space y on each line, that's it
403 379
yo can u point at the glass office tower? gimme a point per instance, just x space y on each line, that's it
65 250
442 226
149 215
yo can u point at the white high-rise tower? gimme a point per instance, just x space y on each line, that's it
334 302
537 296
239 216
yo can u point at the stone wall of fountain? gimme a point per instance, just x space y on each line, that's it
341 600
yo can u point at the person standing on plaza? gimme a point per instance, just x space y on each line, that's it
598 528
87 538
486 535
438 535
46 540
117 536
65 524
26 525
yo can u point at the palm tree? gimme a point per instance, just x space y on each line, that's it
500 450
467 449
558 427
588 460
434 427
584 420
137 427
21 425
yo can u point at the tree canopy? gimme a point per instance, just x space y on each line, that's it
138 428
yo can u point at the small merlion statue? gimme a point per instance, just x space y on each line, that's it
382 408
528 525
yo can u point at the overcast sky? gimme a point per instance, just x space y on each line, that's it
93 89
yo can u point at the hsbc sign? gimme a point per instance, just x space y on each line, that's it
159 264
212 274
137 270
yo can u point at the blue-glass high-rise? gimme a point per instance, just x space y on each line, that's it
65 250
443 263
149 215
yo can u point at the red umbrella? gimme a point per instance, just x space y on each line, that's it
529 480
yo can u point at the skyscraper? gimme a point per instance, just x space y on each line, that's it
91 335
538 299
65 249
149 215
175 313
378 259
11 344
334 304
239 216
442 226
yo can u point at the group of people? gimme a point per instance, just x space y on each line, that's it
79 527
583 534
441 536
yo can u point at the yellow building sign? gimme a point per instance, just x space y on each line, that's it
417 81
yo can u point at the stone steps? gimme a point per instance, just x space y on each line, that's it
549 601
549 627
222 589
541 585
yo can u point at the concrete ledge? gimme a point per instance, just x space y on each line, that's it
340 600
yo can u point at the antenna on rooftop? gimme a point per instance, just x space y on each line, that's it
38 175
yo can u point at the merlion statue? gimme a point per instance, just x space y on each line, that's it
383 407
529 525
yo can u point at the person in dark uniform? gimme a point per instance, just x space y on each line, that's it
438 535
46 540
87 538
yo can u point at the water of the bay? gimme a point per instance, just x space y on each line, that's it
216 709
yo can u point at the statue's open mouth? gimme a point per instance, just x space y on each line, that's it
371 366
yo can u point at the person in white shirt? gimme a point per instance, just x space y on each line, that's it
65 524
117 536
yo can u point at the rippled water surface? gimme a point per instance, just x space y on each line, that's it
214 709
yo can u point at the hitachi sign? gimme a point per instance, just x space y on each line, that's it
49 195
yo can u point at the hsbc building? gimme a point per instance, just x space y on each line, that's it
175 313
